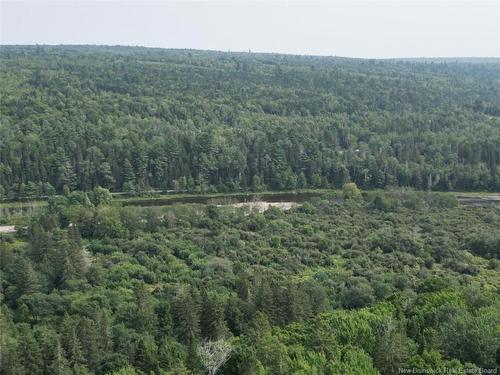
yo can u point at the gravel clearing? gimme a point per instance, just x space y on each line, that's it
7 229
262 206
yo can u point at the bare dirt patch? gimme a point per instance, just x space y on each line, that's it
262 206
7 229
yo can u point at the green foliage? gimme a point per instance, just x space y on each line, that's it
335 286
129 370
473 338
135 119
485 244
351 191
100 196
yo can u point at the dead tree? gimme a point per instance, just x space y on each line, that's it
214 354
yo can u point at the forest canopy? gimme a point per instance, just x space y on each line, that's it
136 119
379 270
342 285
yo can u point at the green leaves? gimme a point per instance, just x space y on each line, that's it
132 120
335 286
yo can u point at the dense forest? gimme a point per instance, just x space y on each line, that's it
137 119
348 284
379 271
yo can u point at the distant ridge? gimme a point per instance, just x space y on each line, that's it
462 60
122 48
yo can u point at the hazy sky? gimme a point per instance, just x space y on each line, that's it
355 28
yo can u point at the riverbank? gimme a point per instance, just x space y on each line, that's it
159 198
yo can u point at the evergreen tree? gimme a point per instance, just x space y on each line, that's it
212 324
29 353
129 181
185 312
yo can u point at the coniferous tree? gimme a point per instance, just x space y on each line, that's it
29 353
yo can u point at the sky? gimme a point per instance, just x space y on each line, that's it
370 29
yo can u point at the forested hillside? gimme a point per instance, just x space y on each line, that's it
343 285
135 119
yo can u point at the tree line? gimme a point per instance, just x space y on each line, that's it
133 119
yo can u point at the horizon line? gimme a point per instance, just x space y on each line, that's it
243 51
